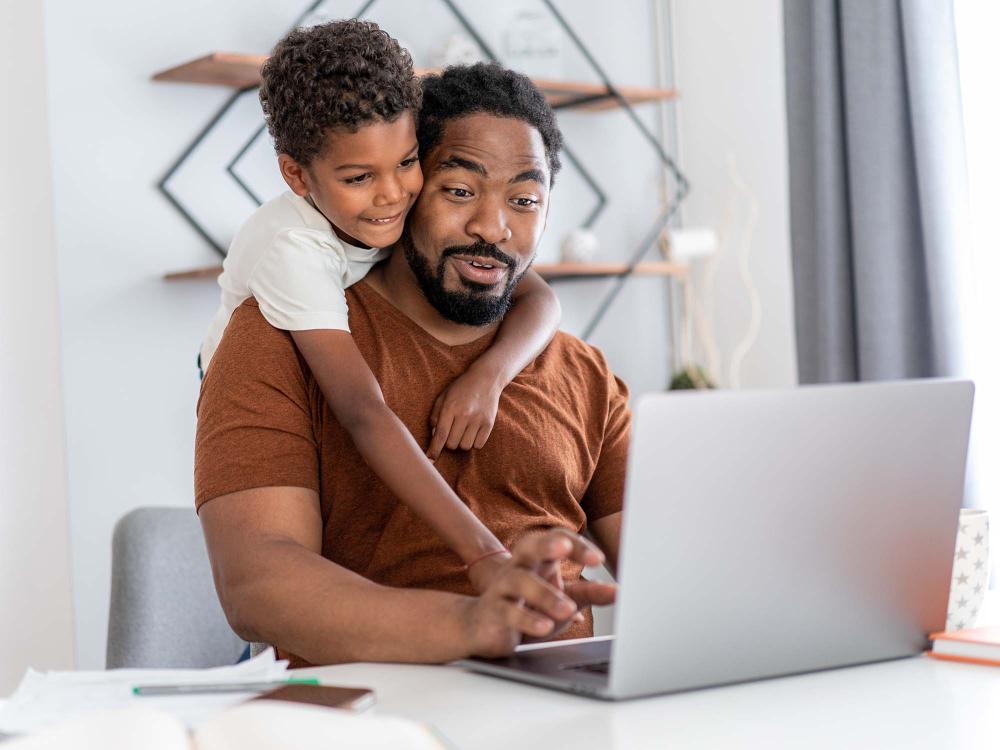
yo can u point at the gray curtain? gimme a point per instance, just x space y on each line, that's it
878 191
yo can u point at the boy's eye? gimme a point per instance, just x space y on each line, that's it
458 192
356 179
525 202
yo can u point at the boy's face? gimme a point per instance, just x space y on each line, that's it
474 230
363 182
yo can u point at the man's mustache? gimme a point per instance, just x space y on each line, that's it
480 249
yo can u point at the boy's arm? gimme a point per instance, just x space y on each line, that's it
464 413
389 449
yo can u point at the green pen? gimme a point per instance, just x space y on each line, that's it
223 687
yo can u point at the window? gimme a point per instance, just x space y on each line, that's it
979 60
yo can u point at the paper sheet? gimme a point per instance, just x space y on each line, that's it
44 699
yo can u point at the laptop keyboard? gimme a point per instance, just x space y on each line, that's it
595 667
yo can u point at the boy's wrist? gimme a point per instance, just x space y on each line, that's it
482 571
492 377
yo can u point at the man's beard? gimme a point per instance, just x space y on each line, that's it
474 305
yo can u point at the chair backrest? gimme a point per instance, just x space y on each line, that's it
164 609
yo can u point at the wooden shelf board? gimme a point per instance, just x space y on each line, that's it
597 270
206 272
240 70
548 270
221 68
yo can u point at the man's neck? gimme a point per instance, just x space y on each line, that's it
395 281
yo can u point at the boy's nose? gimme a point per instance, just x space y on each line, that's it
390 192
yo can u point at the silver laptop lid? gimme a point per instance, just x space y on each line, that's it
775 532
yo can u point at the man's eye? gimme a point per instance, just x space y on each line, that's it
408 162
357 179
525 202
459 192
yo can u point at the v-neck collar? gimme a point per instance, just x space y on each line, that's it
369 293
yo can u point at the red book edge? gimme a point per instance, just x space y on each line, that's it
966 659
989 636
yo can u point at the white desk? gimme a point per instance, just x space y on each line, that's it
911 703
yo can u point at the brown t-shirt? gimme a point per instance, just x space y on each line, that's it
556 456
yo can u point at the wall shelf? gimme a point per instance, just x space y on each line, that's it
240 71
551 271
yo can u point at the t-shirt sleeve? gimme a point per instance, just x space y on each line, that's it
299 282
255 427
606 492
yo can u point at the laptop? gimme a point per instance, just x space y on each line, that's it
773 533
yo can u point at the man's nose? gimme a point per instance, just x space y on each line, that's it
489 224
389 191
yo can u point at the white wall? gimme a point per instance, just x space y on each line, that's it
730 70
36 627
130 339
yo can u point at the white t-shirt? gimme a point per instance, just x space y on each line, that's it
288 257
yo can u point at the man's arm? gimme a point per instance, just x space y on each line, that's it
275 587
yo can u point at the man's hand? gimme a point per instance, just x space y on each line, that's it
463 414
520 603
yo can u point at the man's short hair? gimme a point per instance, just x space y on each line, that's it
491 89
342 74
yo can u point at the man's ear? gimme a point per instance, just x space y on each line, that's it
294 174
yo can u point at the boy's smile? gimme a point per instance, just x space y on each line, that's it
364 182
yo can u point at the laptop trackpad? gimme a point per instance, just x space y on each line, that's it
571 661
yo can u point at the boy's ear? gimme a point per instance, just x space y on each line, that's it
294 175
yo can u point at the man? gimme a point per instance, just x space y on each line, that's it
309 550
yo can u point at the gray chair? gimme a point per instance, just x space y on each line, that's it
164 609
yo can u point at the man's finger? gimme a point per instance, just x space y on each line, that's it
525 621
438 440
587 593
555 545
527 589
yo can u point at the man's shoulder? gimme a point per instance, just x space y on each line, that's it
572 349
568 357
249 333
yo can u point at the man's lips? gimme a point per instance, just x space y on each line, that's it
479 269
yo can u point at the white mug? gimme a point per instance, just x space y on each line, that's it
970 576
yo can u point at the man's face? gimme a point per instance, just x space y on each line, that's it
473 231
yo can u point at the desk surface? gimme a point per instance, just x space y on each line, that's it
910 703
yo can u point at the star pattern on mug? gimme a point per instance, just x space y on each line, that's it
970 572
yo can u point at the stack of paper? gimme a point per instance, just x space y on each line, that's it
258 725
45 699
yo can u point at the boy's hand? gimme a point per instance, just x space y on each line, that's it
463 415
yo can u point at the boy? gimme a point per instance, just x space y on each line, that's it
340 101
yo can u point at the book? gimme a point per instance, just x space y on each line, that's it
256 725
975 645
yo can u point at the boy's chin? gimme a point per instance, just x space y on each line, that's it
380 236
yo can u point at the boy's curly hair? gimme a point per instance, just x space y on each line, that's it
492 89
342 74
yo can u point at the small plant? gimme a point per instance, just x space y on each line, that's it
691 378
